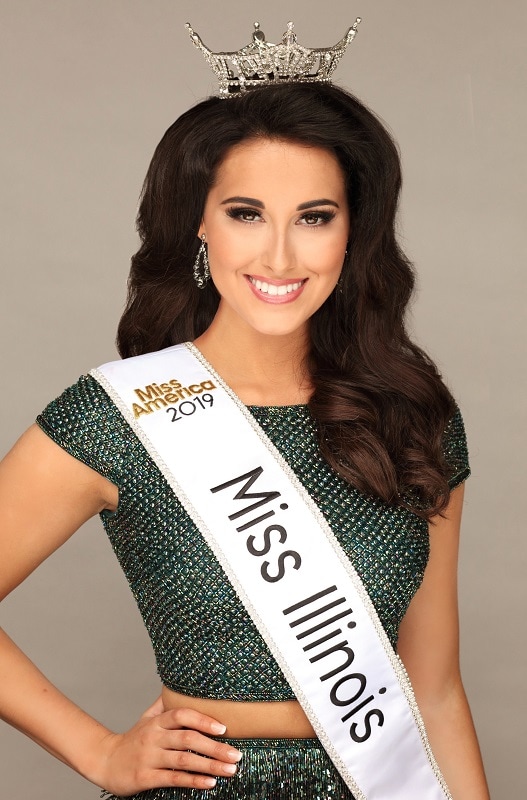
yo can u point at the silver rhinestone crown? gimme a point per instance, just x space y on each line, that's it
262 63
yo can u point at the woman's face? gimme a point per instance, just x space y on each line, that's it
276 223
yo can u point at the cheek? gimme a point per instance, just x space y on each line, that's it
228 250
326 256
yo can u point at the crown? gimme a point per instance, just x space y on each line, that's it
262 63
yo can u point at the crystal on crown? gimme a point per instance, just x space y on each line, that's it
262 63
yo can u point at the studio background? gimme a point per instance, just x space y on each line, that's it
87 89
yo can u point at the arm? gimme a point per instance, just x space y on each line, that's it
45 495
429 647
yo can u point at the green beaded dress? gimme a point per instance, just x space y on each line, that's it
204 642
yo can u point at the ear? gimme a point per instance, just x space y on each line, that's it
201 230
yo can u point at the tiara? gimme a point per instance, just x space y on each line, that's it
262 63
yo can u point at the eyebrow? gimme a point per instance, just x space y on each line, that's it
312 203
252 201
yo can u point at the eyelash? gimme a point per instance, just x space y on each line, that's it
237 212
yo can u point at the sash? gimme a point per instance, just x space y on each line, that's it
285 565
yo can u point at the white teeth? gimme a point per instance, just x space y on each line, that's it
273 290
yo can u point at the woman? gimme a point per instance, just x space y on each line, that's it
287 194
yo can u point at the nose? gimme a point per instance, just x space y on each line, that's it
278 254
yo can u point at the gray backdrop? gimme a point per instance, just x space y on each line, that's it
88 87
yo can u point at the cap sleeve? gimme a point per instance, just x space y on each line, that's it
84 422
455 450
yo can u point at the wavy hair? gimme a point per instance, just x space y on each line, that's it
380 405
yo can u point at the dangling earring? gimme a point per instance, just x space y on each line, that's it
201 265
340 281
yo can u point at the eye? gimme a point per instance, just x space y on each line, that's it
315 218
243 214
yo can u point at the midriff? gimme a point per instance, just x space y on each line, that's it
248 720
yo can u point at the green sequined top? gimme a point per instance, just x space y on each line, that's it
204 641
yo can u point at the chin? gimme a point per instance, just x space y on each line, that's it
278 327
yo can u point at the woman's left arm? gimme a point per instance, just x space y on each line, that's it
429 647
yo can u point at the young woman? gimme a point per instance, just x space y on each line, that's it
288 195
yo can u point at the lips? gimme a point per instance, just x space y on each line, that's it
276 292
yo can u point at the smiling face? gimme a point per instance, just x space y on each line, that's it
276 223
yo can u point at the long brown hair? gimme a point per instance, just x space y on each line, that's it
379 402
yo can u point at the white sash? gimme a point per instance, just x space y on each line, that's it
287 568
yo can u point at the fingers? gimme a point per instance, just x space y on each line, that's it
171 748
143 780
188 718
177 745
194 759
186 780
189 759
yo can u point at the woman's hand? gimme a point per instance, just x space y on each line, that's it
167 748
45 495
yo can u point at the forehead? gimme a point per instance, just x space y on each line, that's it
269 165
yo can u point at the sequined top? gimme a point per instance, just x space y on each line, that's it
205 643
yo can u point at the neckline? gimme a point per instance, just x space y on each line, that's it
290 407
199 355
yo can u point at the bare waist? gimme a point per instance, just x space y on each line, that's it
272 720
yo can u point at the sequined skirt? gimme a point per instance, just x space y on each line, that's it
271 769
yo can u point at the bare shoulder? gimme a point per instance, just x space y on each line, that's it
45 496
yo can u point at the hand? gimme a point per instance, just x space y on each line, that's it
155 753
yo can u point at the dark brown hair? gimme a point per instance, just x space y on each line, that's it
379 402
